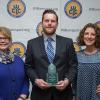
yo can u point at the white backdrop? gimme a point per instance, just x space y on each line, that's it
25 27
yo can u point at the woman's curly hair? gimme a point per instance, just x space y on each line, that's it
80 38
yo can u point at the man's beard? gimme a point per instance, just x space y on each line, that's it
49 33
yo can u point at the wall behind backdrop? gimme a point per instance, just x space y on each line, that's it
23 17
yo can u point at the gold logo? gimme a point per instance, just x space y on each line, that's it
73 9
18 49
16 8
39 29
77 47
98 24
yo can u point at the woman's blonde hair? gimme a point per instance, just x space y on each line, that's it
6 32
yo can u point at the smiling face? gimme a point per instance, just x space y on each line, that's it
4 42
5 38
49 23
89 36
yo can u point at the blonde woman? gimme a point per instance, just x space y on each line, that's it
13 83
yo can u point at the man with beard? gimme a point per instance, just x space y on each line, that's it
61 55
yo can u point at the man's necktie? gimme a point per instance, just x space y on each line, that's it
50 50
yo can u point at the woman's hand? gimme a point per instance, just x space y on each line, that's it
98 89
22 97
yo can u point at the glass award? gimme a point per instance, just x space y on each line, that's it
52 75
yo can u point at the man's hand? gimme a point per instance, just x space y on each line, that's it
41 83
61 85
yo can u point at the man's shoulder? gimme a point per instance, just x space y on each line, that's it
64 38
35 39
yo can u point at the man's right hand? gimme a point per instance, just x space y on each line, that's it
41 83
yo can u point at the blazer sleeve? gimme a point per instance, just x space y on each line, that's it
72 61
25 88
29 62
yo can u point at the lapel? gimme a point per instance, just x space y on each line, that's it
42 49
58 47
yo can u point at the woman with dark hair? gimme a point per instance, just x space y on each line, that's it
88 76
13 82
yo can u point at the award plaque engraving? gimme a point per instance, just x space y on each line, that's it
52 75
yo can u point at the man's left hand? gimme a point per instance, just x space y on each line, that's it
61 85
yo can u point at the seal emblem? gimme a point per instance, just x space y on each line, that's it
39 29
98 24
73 9
18 48
77 47
16 8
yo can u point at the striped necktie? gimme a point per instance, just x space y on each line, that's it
50 50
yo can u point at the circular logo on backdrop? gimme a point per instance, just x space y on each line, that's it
98 24
16 8
73 9
18 49
77 47
39 29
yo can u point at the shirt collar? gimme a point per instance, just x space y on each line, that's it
52 36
